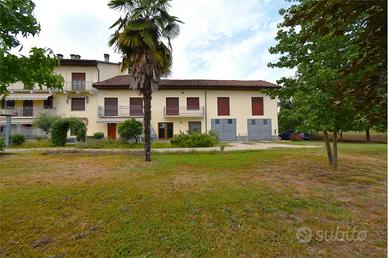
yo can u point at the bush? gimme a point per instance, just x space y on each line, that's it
194 140
2 144
98 135
45 122
61 126
17 139
130 130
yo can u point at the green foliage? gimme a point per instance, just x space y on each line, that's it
37 68
130 130
194 139
98 135
17 139
45 121
2 144
62 126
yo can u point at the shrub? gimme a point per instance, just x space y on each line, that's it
130 130
98 135
61 126
18 139
45 122
2 144
194 140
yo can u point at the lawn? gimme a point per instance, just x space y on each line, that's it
247 204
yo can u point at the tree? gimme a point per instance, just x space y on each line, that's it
45 122
62 126
36 69
130 129
143 37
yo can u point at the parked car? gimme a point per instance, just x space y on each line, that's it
287 135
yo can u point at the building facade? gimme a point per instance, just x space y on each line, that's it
98 93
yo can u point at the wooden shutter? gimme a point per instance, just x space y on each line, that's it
172 106
77 104
257 106
223 106
192 103
111 106
78 76
136 106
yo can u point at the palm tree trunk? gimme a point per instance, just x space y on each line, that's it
328 147
147 97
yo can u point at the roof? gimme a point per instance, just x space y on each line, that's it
82 62
122 82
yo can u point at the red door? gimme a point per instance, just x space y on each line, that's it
112 131
172 106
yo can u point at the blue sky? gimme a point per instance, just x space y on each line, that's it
220 39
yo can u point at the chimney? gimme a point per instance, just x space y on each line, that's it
75 57
106 57
59 56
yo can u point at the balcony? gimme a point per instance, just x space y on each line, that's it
26 112
183 112
120 111
78 86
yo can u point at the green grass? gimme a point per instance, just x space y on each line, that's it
192 205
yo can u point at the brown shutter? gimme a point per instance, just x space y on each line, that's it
192 103
172 106
77 104
111 106
257 106
223 106
78 76
136 106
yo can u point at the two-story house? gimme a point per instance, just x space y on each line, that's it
98 93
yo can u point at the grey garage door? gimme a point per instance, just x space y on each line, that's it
225 128
259 129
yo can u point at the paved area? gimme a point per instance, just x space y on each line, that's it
235 146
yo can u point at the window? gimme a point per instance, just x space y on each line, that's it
136 106
192 103
253 121
172 106
230 121
111 106
7 103
195 127
217 121
223 106
48 103
78 81
265 121
257 106
77 104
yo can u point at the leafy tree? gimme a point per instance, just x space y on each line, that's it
130 129
62 126
45 122
36 69
143 37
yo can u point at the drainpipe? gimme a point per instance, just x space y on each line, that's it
98 73
205 111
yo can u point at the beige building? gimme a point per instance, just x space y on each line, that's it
97 92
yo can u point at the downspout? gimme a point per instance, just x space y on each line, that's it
205 111
98 73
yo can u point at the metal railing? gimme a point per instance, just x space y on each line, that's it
120 111
183 111
67 86
26 111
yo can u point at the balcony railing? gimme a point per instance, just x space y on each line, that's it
183 112
26 111
68 86
120 111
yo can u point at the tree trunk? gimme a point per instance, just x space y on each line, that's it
335 150
147 97
328 147
367 134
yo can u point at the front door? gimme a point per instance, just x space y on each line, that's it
166 130
27 108
111 131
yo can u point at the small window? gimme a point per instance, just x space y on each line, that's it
257 106
217 121
230 121
265 121
195 127
77 104
253 121
7 103
223 106
48 103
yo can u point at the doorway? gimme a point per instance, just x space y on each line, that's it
111 131
166 130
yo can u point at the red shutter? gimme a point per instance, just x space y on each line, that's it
172 106
77 104
223 106
192 103
136 106
78 76
257 106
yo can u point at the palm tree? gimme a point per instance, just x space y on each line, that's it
143 37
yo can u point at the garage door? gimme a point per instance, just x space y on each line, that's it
225 128
259 129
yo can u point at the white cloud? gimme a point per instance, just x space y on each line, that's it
220 39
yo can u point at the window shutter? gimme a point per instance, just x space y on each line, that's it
257 106
136 106
77 104
223 106
192 103
111 106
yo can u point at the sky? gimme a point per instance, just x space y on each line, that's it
219 39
